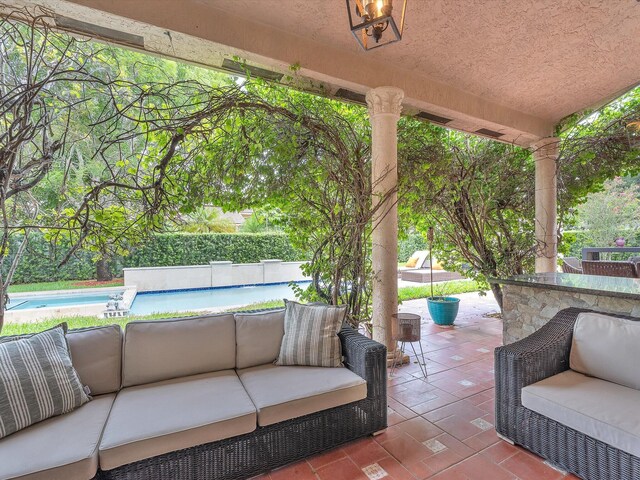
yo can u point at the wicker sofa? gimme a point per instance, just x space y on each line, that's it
583 424
200 398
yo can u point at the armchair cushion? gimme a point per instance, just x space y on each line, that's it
600 409
606 347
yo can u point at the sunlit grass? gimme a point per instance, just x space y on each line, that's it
439 289
92 321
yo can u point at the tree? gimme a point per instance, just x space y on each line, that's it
609 212
479 193
310 158
476 195
60 105
159 148
265 219
207 220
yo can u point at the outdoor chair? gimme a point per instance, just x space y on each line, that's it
636 262
609 268
571 265
571 401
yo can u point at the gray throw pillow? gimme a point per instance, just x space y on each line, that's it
311 335
37 380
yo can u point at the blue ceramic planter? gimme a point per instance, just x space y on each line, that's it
443 310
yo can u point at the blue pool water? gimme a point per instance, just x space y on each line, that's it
52 301
178 301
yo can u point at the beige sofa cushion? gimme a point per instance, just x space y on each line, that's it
153 419
96 354
282 393
606 347
603 410
161 350
60 448
258 337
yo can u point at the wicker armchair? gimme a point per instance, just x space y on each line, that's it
282 443
636 262
609 269
541 355
571 265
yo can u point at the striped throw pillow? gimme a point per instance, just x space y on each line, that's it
311 335
37 380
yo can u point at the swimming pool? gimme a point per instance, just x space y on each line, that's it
54 301
214 298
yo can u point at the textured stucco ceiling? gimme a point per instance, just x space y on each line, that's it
547 58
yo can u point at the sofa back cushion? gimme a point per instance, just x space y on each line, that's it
258 337
165 349
606 347
96 353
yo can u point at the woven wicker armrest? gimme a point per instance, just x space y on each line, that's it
366 358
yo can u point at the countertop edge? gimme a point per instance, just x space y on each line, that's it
565 288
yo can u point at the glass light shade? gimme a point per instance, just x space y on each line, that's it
378 24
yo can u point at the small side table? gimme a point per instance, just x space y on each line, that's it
406 329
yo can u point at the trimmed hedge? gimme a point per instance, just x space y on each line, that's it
171 249
40 260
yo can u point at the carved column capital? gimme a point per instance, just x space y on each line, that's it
385 100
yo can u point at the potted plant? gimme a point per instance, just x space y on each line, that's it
443 310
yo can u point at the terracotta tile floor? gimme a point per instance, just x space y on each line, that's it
441 427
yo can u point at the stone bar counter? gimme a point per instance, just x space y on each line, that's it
530 301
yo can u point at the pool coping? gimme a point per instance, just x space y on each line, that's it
25 315
71 292
225 287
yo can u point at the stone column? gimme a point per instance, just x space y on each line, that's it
384 112
545 154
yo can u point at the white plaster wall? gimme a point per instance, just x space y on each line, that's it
247 274
221 274
282 272
216 274
168 278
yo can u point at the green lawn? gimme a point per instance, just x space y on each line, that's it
63 285
444 288
81 322
260 306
